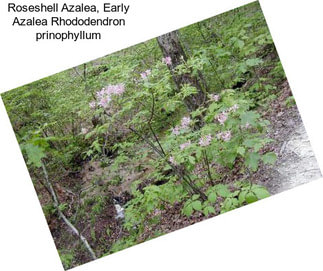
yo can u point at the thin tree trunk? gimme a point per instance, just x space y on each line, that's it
171 47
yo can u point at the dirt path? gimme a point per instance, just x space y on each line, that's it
296 162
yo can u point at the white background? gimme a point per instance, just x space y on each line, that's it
283 232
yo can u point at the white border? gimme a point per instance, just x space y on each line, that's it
283 232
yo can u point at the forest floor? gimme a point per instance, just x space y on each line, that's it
296 162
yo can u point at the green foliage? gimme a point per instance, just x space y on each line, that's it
34 154
98 205
66 258
228 198
49 209
269 158
290 101
122 244
251 192
231 58
62 207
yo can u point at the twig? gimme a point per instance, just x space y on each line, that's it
149 124
63 217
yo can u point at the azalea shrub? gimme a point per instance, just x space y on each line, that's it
194 154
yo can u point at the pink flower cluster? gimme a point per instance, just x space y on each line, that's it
233 108
176 130
214 97
104 96
185 145
225 136
205 140
167 60
145 74
222 117
185 122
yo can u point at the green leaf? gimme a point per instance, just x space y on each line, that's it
197 112
197 205
230 157
249 117
34 154
252 160
250 143
241 151
269 158
195 197
167 167
257 147
242 197
208 210
242 68
96 146
253 62
222 191
191 159
188 210
62 207
227 204
251 197
198 153
239 44
188 90
261 192
212 197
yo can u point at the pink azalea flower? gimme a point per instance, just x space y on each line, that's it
225 136
104 101
105 94
205 140
175 131
143 75
118 89
185 145
92 104
100 93
167 60
185 122
114 89
234 108
222 117
214 97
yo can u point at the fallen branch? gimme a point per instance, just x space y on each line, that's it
63 217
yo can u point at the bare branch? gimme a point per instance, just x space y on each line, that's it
63 217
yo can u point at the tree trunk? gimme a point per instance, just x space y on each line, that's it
171 47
